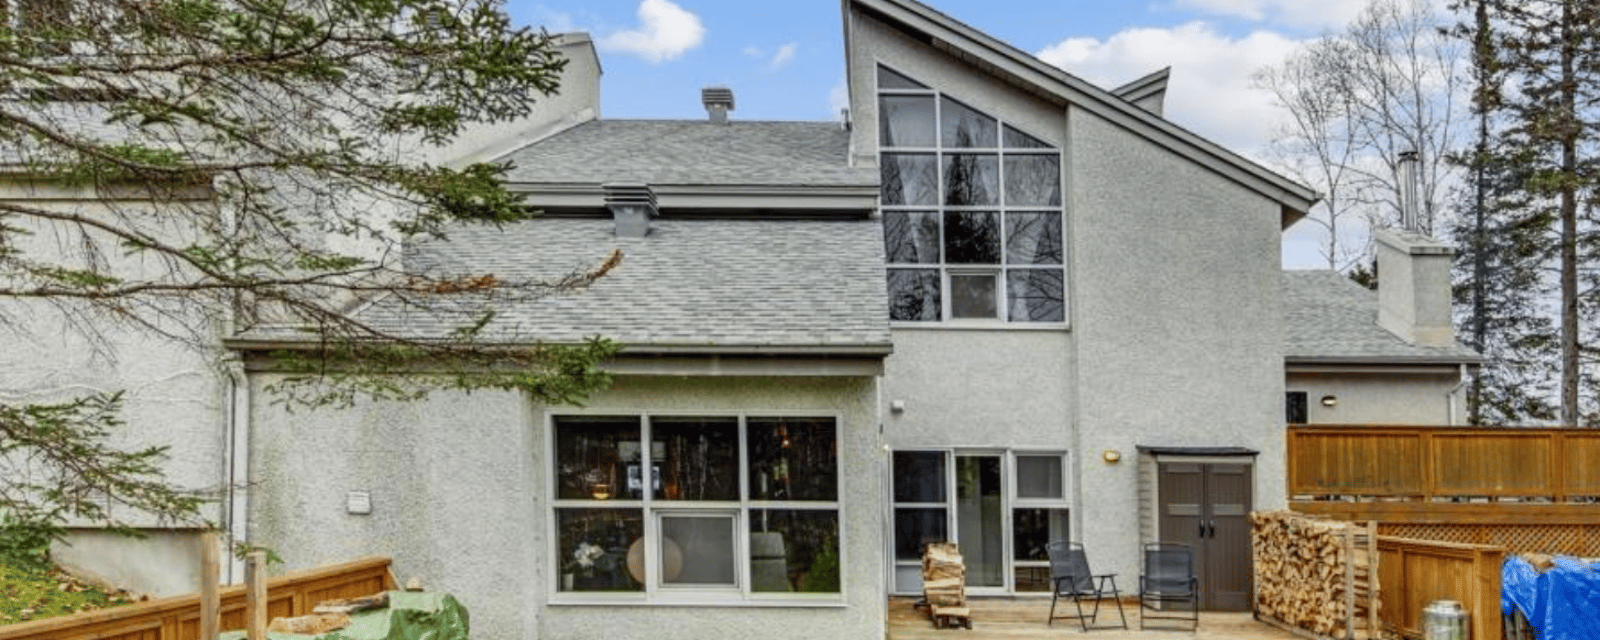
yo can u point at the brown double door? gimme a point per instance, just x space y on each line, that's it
1206 505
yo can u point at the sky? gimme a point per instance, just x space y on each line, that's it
784 58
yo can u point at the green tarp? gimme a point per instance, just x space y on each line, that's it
410 616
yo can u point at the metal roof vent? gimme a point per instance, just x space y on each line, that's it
632 207
718 102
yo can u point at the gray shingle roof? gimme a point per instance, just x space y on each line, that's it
689 283
1327 316
685 152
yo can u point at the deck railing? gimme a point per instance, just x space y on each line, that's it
178 617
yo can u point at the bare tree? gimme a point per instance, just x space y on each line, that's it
1356 100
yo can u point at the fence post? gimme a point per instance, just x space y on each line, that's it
255 598
210 600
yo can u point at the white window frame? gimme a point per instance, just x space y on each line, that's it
655 593
1010 502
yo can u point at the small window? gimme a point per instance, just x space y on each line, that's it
1039 476
972 295
1296 408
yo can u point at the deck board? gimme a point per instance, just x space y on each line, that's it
1003 618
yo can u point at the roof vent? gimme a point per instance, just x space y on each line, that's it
632 207
718 102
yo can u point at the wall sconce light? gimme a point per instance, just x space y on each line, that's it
1330 401
1111 456
897 406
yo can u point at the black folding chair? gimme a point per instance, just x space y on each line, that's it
1168 578
1070 577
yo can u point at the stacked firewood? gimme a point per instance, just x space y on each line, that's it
944 575
1316 575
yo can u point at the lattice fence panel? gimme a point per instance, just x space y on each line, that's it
1569 539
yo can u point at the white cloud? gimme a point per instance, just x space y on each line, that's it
665 32
1209 91
754 52
1298 13
783 56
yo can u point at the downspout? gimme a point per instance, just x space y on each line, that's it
236 472
1450 396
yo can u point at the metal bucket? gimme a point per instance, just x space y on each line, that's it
1444 620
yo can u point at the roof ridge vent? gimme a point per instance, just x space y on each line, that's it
632 206
718 102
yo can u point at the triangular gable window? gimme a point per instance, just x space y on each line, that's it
972 211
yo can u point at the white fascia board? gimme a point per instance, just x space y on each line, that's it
1035 76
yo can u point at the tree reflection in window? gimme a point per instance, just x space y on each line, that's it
962 189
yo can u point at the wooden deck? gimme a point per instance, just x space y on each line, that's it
1024 617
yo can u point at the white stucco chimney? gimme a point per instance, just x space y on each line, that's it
632 207
718 102
1414 287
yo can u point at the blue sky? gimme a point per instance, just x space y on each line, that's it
784 60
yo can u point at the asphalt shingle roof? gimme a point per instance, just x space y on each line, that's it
1326 315
690 282
692 152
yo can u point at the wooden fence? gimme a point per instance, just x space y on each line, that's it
178 617
1413 573
1554 465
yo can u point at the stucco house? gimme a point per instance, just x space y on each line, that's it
997 305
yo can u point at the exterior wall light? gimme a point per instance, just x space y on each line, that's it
1330 401
1111 456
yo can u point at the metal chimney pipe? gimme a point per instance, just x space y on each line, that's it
1408 191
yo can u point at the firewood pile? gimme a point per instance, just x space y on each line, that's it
1316 575
944 579
944 575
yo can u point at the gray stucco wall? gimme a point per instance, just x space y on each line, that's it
1373 398
457 484
1177 323
174 391
976 388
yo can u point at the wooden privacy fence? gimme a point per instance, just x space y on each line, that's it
1414 573
1558 465
178 617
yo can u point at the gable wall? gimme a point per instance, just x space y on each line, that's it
989 387
1175 325
1176 319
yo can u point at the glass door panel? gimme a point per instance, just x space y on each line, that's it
981 518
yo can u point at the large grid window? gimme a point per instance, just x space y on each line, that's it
971 211
666 507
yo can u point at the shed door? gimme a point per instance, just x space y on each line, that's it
1207 506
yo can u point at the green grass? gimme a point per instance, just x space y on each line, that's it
33 594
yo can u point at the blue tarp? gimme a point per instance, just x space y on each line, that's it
1562 603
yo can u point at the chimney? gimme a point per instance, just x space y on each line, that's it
1414 287
718 102
632 207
